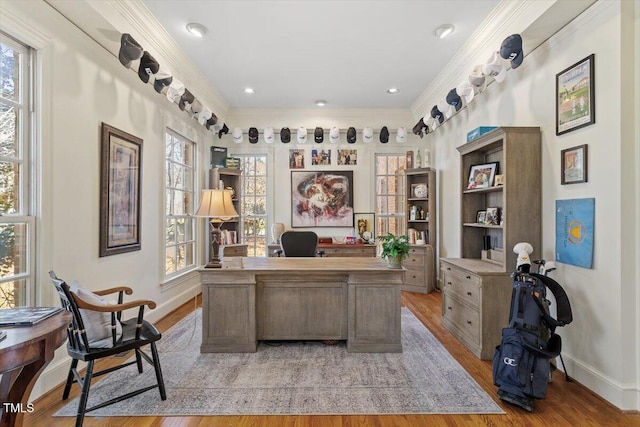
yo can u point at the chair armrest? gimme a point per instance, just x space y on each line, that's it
278 252
113 308
127 290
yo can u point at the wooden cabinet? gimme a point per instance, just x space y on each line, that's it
475 303
229 179
421 224
335 250
477 290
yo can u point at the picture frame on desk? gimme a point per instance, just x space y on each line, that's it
365 226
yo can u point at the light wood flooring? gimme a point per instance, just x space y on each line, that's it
567 403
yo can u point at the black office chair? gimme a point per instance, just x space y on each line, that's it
299 244
87 345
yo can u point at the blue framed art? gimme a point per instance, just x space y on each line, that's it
574 231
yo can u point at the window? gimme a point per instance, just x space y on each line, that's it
180 187
17 223
390 194
254 203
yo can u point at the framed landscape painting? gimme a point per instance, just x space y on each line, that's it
322 199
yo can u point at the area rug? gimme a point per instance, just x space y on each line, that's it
296 378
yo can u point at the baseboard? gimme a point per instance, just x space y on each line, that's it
56 372
625 397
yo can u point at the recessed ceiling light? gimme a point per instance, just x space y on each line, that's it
196 29
249 90
321 102
393 90
443 30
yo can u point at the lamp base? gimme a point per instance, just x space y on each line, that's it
214 264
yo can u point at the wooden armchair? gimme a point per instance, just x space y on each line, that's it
98 331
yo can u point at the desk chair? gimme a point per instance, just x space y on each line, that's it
299 244
97 332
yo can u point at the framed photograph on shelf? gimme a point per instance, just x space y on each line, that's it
573 163
366 226
120 179
499 180
575 96
482 176
419 191
481 217
322 199
493 216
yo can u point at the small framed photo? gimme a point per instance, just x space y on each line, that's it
575 96
573 165
482 176
499 180
481 217
493 216
366 226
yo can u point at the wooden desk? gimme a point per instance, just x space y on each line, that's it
352 299
336 250
24 354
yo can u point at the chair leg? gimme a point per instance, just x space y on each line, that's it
156 365
67 386
139 360
84 396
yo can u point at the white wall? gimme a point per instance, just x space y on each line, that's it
82 86
601 345
364 172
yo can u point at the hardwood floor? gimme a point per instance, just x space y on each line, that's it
567 403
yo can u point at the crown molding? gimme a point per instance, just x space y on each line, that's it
544 18
133 17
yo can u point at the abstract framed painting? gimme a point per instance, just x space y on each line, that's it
322 199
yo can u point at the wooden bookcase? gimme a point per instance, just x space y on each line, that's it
476 291
231 178
420 189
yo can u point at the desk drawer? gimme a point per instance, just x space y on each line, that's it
414 276
346 251
414 261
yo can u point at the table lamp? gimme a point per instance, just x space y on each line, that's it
218 207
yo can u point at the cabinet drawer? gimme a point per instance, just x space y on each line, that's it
466 289
414 260
465 319
414 277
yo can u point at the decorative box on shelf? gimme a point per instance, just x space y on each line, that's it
478 132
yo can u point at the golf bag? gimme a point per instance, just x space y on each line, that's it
521 362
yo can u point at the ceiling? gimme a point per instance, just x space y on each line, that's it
293 53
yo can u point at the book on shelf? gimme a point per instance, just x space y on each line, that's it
25 316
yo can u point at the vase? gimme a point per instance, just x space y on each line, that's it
277 229
394 262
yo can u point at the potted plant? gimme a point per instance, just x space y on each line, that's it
394 249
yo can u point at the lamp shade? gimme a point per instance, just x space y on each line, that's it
217 205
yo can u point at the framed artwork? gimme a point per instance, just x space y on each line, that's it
574 231
296 158
481 217
492 216
347 157
322 199
120 186
499 180
320 157
481 176
573 163
575 96
366 226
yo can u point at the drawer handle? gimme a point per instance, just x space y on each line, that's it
469 277
449 268
469 293
468 322
448 283
449 308
414 276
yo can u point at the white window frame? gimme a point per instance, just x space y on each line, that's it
265 216
400 216
27 185
187 215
